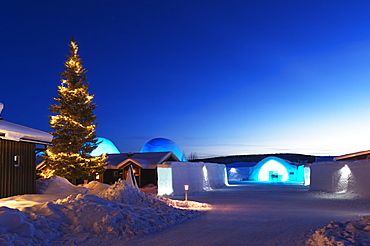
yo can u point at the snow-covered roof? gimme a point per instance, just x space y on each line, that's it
15 132
148 160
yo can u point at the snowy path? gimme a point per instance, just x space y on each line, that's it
251 214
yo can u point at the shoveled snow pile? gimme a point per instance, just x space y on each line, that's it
347 233
93 215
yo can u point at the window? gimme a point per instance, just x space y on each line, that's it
17 161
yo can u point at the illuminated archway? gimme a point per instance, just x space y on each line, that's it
273 170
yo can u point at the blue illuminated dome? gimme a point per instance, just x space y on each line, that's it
104 147
163 145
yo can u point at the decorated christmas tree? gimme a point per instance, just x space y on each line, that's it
74 125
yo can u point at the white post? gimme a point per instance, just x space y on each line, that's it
186 192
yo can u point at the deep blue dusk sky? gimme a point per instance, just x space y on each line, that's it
216 77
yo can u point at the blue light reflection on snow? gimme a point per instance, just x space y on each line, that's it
273 167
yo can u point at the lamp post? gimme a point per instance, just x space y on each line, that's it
186 187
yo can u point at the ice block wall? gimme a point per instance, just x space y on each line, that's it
341 177
172 176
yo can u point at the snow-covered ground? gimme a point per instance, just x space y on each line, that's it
350 232
248 213
96 214
241 214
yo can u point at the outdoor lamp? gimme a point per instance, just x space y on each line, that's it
186 192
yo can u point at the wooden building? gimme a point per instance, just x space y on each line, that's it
18 159
144 165
354 156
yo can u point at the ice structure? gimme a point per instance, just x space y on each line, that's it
172 176
270 169
341 177
105 147
163 145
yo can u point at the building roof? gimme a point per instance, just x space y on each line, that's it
15 132
148 160
354 156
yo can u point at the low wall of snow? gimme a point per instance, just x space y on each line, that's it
172 176
341 177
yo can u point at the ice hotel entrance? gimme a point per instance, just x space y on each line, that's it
270 169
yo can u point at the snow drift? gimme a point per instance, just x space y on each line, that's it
87 215
346 233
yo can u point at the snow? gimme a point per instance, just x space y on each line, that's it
343 233
68 214
200 176
16 132
243 213
255 213
350 177
342 179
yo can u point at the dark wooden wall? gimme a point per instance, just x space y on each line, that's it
17 177
143 176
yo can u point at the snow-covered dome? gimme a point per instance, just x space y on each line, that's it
163 145
105 147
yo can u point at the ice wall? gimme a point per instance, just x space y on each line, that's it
239 173
172 176
341 177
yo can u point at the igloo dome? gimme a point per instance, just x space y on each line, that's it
163 145
105 147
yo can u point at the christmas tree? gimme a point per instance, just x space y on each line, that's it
74 125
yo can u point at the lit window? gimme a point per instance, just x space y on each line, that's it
17 161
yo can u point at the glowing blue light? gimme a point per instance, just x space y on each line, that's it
272 170
163 145
105 147
233 170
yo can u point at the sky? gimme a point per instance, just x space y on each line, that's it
216 77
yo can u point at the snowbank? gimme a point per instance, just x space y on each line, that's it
341 177
99 213
172 176
346 233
